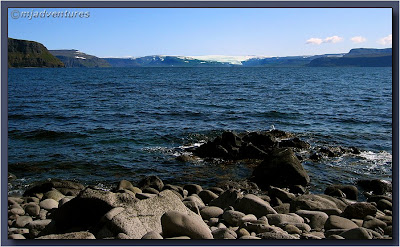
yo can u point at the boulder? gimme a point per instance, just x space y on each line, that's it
16 236
291 229
22 221
281 168
35 227
232 217
282 194
294 143
150 190
196 199
64 186
350 191
17 211
192 205
358 233
207 196
378 187
70 235
359 210
48 204
224 233
126 185
252 204
384 204
152 235
316 203
317 219
277 219
144 216
211 212
337 222
284 208
276 235
175 224
373 223
226 199
193 188
151 181
53 194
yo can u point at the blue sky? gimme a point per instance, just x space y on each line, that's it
194 32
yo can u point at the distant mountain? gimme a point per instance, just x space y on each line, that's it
163 61
24 53
292 61
361 57
75 58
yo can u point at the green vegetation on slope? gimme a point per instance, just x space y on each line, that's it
24 53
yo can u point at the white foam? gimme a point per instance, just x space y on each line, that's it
379 158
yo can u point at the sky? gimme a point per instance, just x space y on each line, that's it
135 32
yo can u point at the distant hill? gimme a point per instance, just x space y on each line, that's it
24 53
292 61
75 58
361 57
163 61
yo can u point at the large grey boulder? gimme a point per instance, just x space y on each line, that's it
144 216
357 233
337 222
224 233
211 212
252 204
175 224
281 168
317 219
232 217
316 203
151 181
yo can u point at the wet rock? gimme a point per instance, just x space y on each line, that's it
232 217
211 212
334 236
224 233
64 186
152 235
252 204
207 196
337 222
356 233
176 224
282 194
193 188
281 168
250 151
317 219
294 143
316 203
151 181
48 204
384 204
378 187
248 218
350 191
376 198
22 221
359 210
226 199
70 235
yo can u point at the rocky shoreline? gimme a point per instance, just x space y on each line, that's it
272 204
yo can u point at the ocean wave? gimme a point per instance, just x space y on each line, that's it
379 158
